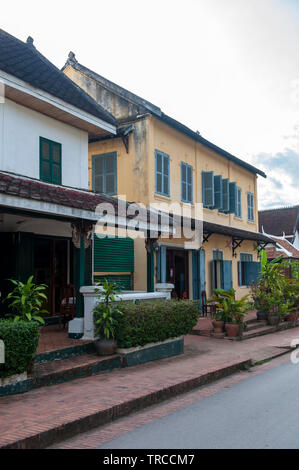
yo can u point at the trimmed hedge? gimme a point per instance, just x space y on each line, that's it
153 321
20 341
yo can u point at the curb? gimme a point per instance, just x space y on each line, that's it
67 430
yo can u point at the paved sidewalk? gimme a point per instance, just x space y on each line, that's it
41 417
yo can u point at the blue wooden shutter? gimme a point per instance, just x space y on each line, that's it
226 274
208 198
250 207
214 274
162 173
232 198
225 195
240 272
183 182
166 175
161 264
159 172
239 202
186 183
251 271
198 273
218 192
195 275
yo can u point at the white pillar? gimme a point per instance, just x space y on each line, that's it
165 288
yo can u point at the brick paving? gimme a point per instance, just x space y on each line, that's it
55 337
101 435
40 417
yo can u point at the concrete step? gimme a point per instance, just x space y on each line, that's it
263 330
64 370
255 325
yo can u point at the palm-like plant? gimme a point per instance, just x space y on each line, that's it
230 309
27 300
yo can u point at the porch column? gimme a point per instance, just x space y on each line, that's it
150 264
82 236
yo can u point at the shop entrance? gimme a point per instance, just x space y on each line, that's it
177 272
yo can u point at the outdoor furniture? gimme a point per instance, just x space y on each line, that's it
67 305
205 307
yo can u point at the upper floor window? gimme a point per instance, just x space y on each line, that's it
208 194
217 254
50 161
250 207
104 173
162 173
187 182
239 202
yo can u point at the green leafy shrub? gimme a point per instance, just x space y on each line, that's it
154 321
26 300
20 341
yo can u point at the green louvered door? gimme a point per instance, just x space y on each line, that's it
113 259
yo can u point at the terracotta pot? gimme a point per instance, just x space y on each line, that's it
105 347
232 329
260 316
218 326
273 320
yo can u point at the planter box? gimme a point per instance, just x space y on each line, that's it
152 351
13 379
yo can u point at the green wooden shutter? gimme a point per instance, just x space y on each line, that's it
208 197
113 254
50 161
232 198
218 192
104 173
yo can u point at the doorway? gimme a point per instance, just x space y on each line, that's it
177 272
52 266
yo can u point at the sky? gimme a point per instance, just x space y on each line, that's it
227 68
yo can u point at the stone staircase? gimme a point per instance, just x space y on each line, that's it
254 328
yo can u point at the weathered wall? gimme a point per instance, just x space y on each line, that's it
20 130
115 104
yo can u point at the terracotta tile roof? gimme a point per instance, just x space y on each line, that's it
277 221
28 188
274 252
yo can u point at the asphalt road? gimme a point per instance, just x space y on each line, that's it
261 412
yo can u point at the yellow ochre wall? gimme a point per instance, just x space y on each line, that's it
136 180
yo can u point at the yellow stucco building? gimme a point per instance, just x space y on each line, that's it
155 159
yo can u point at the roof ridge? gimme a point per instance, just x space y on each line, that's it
96 109
71 60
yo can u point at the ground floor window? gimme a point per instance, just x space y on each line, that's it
248 269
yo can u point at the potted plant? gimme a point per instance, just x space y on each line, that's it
233 311
105 319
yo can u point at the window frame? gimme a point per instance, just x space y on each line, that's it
50 161
242 273
104 156
188 185
239 202
250 207
165 157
